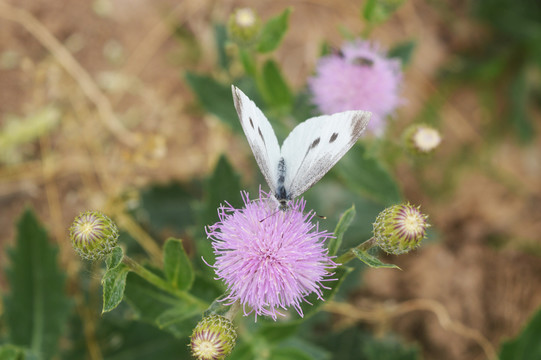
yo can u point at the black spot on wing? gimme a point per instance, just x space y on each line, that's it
251 122
314 143
261 135
333 137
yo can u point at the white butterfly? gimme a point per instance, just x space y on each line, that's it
308 153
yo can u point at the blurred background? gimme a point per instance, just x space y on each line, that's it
95 106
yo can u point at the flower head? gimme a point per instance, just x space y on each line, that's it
213 338
93 235
400 228
360 77
422 139
269 259
244 25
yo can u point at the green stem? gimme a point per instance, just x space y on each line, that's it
348 256
162 284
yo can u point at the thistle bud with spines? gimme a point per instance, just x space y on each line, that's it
93 235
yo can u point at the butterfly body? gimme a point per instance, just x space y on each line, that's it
309 152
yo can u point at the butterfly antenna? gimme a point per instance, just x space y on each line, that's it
274 213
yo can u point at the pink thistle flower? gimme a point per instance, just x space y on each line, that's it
269 259
359 78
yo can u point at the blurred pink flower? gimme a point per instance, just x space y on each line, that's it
269 259
359 78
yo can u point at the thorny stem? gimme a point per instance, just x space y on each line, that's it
162 284
350 255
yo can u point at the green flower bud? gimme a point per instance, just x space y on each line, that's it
400 228
93 235
422 139
243 26
213 338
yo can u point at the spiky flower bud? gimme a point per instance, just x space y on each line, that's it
422 139
213 338
93 235
243 26
400 228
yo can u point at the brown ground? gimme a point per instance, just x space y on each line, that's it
485 271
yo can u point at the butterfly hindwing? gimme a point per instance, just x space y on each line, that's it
260 136
316 145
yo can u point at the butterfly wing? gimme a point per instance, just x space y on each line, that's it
316 145
260 136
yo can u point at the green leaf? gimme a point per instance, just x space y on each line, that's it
403 51
518 107
179 313
369 10
389 348
114 282
176 265
372 261
216 98
119 338
289 353
168 207
114 258
220 35
12 352
273 32
341 227
248 62
273 87
365 175
223 185
525 346
155 306
37 308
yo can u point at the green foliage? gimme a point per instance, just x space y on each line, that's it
341 227
526 346
273 32
274 88
177 267
403 51
114 283
518 109
215 97
36 309
365 175
12 352
371 260
160 308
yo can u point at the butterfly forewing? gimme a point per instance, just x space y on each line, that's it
316 145
260 136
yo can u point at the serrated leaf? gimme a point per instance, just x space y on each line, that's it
341 227
365 175
36 310
216 98
114 283
273 87
114 258
176 265
403 51
273 32
526 346
372 261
